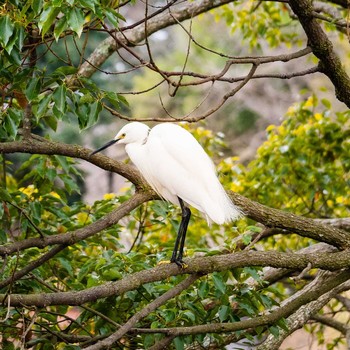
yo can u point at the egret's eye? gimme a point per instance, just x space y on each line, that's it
122 135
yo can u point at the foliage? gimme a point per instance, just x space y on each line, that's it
267 22
303 166
47 49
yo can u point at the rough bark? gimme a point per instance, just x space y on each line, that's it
322 47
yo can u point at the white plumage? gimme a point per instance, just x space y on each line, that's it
178 169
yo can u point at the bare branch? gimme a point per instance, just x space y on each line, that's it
135 35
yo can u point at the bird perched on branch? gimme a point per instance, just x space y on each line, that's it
179 170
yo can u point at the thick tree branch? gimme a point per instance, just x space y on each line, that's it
272 275
202 265
268 216
303 226
39 145
322 47
341 223
331 322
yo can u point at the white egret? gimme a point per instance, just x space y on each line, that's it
179 170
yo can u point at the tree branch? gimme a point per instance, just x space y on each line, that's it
304 313
303 226
202 265
80 234
32 265
106 343
268 216
40 145
263 320
322 47
131 37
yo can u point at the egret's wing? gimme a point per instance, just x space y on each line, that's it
179 163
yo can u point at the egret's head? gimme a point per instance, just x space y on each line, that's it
134 132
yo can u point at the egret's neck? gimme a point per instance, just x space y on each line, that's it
136 151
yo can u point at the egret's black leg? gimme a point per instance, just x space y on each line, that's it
181 235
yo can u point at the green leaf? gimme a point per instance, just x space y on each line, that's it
63 162
76 20
88 114
274 331
15 57
37 6
35 210
60 26
33 88
59 97
283 324
219 283
51 122
42 106
14 40
47 18
20 37
5 196
123 100
113 98
223 312
70 184
66 265
6 30
95 109
87 98
12 120
112 274
11 127
252 271
246 239
190 315
203 289
65 70
326 103
112 17
253 228
179 343
90 4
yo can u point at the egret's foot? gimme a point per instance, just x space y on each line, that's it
163 262
180 263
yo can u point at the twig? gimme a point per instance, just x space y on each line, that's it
3 320
27 329
36 228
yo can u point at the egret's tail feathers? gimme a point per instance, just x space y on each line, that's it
223 210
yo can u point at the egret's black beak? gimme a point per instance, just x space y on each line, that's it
110 143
